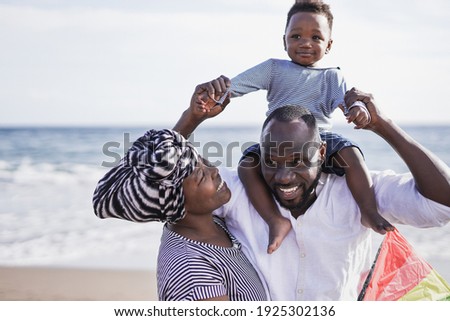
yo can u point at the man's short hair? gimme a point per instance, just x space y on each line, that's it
289 113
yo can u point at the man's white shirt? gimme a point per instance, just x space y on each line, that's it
328 253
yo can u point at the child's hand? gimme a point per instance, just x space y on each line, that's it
358 114
377 116
208 96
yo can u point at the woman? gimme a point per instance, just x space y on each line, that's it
162 178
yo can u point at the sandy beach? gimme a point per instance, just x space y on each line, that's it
64 284
80 284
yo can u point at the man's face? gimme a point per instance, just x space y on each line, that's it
291 157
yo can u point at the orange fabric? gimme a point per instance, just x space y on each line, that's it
397 271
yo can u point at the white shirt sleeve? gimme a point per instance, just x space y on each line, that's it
399 201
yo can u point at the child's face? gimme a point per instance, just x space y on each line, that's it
307 38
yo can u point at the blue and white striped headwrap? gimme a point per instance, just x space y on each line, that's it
148 183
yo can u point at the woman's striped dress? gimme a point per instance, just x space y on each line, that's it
190 270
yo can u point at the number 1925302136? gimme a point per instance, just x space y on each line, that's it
298 310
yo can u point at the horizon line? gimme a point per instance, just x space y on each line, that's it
162 125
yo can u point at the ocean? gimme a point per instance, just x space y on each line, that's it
48 175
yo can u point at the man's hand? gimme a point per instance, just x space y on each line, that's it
359 116
431 175
376 115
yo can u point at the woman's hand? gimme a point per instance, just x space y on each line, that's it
210 98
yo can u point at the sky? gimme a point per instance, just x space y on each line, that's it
137 62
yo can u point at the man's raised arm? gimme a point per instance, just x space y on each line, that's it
432 175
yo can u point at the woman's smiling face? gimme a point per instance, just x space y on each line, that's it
204 189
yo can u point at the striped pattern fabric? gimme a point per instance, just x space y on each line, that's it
320 90
147 185
399 274
190 270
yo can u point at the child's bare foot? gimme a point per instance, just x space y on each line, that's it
376 222
279 227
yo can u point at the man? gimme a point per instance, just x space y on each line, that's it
327 254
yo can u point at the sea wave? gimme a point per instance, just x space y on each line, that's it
46 184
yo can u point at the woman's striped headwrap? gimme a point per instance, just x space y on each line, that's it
147 185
